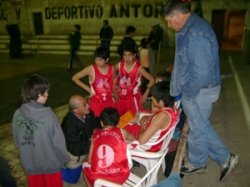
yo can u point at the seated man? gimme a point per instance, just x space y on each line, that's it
152 128
77 127
108 157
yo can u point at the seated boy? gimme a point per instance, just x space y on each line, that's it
108 157
152 127
166 76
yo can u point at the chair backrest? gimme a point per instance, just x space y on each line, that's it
152 173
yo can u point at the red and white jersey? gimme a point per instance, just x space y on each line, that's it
174 116
109 156
129 82
102 84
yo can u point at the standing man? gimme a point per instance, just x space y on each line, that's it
106 34
77 126
74 42
196 76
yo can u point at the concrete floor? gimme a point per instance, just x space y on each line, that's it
230 115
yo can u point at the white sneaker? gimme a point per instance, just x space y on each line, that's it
188 168
232 162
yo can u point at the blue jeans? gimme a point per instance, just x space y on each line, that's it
203 141
173 180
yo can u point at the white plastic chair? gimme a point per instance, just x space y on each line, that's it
134 180
150 159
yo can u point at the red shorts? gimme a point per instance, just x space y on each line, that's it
45 180
97 108
132 103
134 129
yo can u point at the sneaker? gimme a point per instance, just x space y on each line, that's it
232 162
188 168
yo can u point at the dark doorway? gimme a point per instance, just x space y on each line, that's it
229 28
235 28
218 18
38 23
15 45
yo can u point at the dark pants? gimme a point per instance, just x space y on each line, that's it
73 57
105 44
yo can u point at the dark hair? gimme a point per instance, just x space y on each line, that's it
144 42
130 29
164 75
160 91
109 116
176 5
78 27
130 48
33 86
106 21
102 52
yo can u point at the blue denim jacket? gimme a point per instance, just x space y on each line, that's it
196 64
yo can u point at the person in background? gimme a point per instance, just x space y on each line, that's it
77 126
101 81
129 72
106 34
108 158
196 77
155 40
152 65
128 41
74 42
147 60
155 37
38 135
